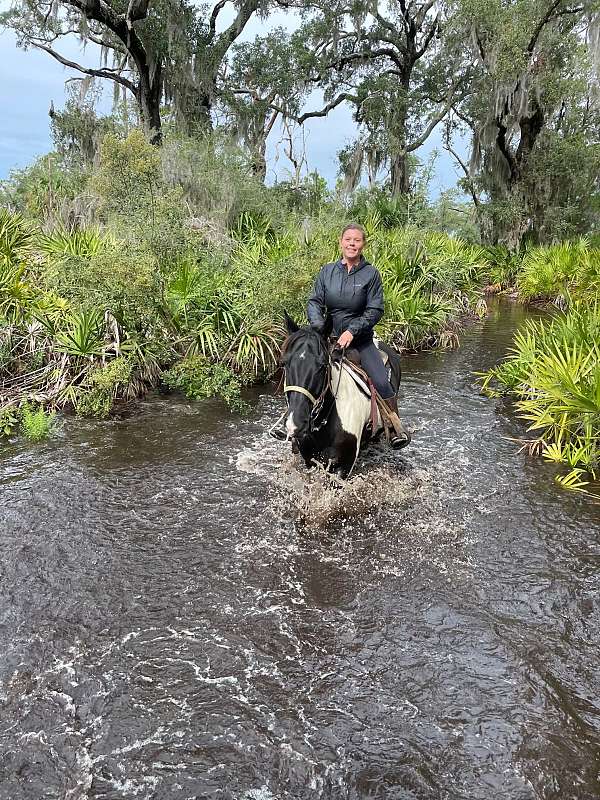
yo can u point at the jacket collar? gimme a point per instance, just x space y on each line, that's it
363 262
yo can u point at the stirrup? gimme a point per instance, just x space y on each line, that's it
398 442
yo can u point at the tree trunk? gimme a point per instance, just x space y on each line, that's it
510 229
149 102
259 160
399 175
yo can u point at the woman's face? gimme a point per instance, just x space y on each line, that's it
352 243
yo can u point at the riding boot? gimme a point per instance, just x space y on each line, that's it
399 436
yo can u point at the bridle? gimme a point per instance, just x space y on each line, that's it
301 390
314 422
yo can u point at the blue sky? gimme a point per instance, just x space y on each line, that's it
30 80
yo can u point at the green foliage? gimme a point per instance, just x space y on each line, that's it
553 372
307 196
84 336
43 190
77 130
36 423
199 378
135 197
430 280
502 267
391 212
96 397
9 420
16 237
212 174
558 270
84 243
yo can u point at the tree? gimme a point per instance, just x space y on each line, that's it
395 67
261 84
156 49
530 67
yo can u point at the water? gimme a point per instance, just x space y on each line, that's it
185 614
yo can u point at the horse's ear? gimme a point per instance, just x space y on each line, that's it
290 324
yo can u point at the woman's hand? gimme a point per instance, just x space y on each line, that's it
345 339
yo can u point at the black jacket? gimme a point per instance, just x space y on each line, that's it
353 300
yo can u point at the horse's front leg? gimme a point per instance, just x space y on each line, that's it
305 447
341 454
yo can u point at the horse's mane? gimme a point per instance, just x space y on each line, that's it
303 332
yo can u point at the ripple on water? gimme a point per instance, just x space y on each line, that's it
186 613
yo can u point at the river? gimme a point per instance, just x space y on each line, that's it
185 614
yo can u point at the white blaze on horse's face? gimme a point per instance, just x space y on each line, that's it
302 354
290 426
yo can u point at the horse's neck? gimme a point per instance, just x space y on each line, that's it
343 386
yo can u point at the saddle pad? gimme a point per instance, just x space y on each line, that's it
358 379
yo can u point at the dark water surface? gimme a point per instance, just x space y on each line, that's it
183 614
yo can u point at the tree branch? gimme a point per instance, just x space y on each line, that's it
367 55
428 37
540 26
436 119
423 11
326 109
110 74
230 34
465 169
136 10
213 17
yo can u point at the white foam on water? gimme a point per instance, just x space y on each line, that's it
262 793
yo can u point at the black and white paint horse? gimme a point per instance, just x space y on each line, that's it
328 415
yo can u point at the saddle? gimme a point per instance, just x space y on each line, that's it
353 355
350 363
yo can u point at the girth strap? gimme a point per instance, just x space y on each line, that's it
301 390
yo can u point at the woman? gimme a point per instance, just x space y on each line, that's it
349 292
347 298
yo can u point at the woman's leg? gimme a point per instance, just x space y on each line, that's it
372 363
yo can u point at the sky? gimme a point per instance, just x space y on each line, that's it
31 80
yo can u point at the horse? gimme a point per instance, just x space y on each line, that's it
329 417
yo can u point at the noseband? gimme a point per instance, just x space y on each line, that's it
301 390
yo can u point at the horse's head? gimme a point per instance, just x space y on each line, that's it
304 362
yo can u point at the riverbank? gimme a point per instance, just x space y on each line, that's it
552 369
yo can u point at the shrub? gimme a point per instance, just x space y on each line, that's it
558 270
135 198
36 424
9 419
553 373
96 397
199 378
